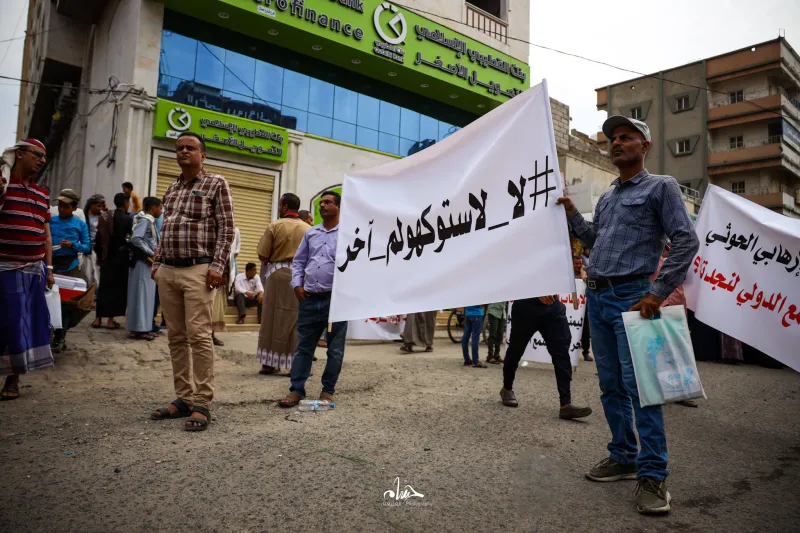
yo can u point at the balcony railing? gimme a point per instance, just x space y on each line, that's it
750 143
487 23
690 193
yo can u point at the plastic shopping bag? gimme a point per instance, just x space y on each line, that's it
53 299
663 357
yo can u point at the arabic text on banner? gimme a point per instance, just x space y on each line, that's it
745 279
427 232
536 350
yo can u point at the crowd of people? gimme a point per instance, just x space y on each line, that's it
179 253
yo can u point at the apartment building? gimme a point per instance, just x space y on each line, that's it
732 120
289 94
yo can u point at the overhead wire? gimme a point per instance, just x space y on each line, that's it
584 58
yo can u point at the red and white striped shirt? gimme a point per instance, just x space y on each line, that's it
23 213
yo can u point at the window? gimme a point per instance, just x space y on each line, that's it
636 113
493 7
683 103
683 147
210 77
737 187
735 96
736 142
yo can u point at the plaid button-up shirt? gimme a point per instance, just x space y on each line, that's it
632 221
198 220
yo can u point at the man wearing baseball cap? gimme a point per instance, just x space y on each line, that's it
632 222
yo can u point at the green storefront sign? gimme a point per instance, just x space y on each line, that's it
221 131
380 40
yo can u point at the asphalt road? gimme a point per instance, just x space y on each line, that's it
80 454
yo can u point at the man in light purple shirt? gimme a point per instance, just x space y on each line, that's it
312 280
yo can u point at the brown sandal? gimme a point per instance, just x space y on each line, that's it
480 365
290 400
10 390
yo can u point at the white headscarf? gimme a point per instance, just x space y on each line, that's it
9 158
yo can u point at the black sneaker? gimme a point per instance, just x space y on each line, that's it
571 412
610 470
652 496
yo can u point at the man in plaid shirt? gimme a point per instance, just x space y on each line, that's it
631 223
196 240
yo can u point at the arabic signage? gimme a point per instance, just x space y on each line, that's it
744 280
221 131
408 243
384 40
536 350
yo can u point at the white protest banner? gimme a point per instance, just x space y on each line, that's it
430 231
385 328
537 349
744 280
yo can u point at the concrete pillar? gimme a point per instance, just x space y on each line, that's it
291 168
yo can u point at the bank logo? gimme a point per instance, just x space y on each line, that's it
397 24
179 119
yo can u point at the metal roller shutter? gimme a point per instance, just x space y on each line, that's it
252 201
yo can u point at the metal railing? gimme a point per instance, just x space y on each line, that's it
487 23
690 193
751 143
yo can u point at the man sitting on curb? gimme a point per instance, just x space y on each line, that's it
249 292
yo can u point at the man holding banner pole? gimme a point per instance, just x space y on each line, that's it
631 224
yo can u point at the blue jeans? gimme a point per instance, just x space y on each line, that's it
620 395
312 321
472 328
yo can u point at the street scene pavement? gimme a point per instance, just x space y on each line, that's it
81 454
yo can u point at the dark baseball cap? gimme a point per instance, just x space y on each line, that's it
618 120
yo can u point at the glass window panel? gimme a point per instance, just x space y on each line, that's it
318 125
295 90
428 128
237 105
206 97
320 99
167 86
178 55
390 118
446 130
389 143
367 138
409 124
345 106
368 112
294 119
406 146
210 69
344 131
269 82
266 112
239 73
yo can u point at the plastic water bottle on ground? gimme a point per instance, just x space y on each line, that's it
314 405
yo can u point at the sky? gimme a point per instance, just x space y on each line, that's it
641 36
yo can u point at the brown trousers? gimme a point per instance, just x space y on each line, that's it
186 302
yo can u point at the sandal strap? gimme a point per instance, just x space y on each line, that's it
202 411
182 406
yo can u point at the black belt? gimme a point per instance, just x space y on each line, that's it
602 283
318 295
184 263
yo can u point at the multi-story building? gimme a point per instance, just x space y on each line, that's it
732 120
289 94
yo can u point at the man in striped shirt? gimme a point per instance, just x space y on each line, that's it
26 254
188 266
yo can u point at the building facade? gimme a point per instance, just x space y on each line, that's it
732 120
289 94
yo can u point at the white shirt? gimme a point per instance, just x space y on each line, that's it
243 285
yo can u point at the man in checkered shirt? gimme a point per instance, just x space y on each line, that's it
188 266
631 223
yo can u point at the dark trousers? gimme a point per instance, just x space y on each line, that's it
497 330
243 302
528 317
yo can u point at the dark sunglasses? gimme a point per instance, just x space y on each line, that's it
39 155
